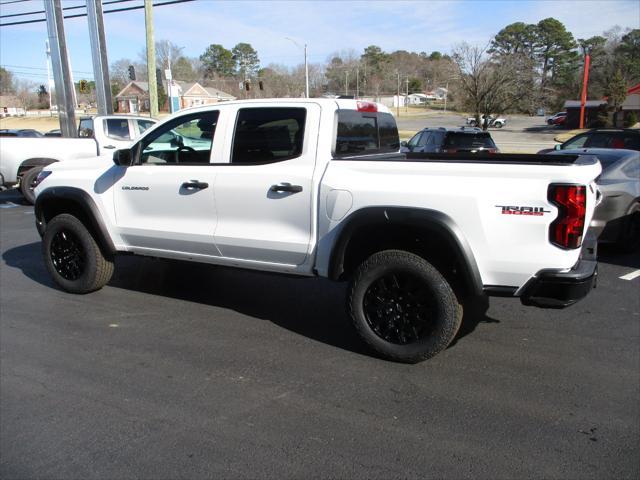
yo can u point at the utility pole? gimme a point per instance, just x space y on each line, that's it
346 83
398 104
61 69
151 59
357 82
49 79
306 72
406 98
99 57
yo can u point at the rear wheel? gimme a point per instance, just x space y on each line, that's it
26 184
72 256
402 307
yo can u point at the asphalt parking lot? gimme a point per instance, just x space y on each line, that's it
178 370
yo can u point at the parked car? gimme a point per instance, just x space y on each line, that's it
20 132
617 218
56 132
497 122
626 138
21 159
318 187
558 118
450 140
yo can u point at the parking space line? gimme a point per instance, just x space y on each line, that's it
631 276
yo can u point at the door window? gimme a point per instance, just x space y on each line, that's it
576 142
143 125
268 135
415 140
186 140
117 128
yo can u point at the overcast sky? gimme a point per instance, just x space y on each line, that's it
326 26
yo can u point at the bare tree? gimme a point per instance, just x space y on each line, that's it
490 86
26 93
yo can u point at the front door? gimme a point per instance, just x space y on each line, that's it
165 202
264 196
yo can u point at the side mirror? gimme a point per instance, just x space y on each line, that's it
403 143
557 147
123 157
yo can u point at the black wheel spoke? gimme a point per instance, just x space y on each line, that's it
400 308
67 255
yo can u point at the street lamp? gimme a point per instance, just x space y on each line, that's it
306 66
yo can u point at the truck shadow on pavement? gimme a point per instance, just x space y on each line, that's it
312 307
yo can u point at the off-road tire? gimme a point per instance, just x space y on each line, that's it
423 305
73 258
25 184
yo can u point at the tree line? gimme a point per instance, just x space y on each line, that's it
523 68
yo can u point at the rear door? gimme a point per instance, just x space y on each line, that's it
264 193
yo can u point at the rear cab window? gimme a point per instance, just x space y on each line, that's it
365 133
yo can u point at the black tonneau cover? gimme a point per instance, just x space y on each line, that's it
497 158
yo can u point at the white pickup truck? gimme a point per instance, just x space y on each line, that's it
21 159
318 187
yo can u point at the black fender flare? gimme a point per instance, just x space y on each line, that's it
36 162
48 200
414 217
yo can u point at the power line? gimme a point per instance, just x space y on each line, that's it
24 67
13 1
65 8
106 11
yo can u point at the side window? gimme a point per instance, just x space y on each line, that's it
85 129
426 139
268 134
415 140
577 142
184 140
143 125
631 142
117 128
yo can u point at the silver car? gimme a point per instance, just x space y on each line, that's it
617 218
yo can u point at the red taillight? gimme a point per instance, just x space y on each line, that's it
566 231
367 107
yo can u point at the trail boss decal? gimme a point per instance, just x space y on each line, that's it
511 210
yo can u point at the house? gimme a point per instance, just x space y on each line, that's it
592 110
134 97
417 99
631 104
10 106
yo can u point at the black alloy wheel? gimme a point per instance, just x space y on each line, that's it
400 308
68 255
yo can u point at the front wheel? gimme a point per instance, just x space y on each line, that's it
402 307
72 256
498 125
26 184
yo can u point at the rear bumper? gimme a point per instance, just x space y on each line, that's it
560 289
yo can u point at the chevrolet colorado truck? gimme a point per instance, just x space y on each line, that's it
21 159
318 187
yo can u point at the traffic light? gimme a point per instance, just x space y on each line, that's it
132 72
84 86
247 85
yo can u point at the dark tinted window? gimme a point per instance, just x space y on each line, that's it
366 133
468 140
118 129
268 134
